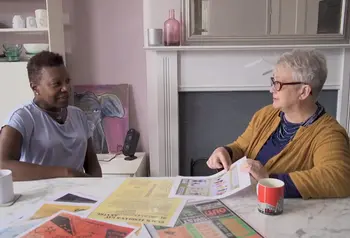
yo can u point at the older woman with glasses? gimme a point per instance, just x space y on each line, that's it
294 139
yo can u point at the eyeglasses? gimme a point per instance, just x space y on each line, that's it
277 85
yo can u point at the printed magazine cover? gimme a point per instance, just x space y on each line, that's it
206 219
65 224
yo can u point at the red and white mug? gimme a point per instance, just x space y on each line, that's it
270 193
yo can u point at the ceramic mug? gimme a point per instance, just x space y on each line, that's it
270 192
40 13
41 18
31 22
6 186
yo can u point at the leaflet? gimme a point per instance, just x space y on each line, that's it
212 219
73 197
47 209
66 224
216 186
140 200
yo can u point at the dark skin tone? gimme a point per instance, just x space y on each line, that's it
51 91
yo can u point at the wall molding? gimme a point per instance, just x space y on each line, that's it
163 105
344 91
243 47
167 115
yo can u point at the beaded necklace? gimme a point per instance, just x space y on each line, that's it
286 130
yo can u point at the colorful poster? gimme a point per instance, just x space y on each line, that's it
211 219
107 111
216 186
48 209
69 225
140 200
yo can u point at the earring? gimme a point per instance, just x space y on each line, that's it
36 93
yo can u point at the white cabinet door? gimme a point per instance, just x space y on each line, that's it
15 90
56 29
289 17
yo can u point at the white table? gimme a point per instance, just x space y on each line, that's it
311 218
116 165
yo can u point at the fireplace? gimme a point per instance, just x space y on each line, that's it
188 86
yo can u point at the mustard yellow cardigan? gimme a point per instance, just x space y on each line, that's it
317 158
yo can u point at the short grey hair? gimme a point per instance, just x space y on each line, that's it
308 66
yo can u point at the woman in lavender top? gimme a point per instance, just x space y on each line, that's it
47 138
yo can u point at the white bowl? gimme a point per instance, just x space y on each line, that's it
35 48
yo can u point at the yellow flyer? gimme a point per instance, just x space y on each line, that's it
140 200
48 209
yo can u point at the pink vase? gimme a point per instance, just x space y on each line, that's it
172 30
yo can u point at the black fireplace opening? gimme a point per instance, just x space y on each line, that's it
211 119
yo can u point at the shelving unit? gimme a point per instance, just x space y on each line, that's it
15 90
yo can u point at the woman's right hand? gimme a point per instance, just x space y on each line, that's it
219 159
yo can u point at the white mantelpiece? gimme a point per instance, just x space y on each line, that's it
171 70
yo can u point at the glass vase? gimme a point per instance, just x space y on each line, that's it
172 30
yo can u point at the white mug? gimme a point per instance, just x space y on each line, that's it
6 186
41 18
31 22
18 22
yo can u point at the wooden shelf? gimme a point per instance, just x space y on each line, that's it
23 30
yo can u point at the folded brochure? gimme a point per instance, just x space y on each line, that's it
216 186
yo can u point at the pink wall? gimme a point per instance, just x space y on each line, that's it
106 41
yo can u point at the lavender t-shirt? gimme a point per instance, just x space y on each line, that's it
46 142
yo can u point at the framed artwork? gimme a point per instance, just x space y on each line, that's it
107 111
